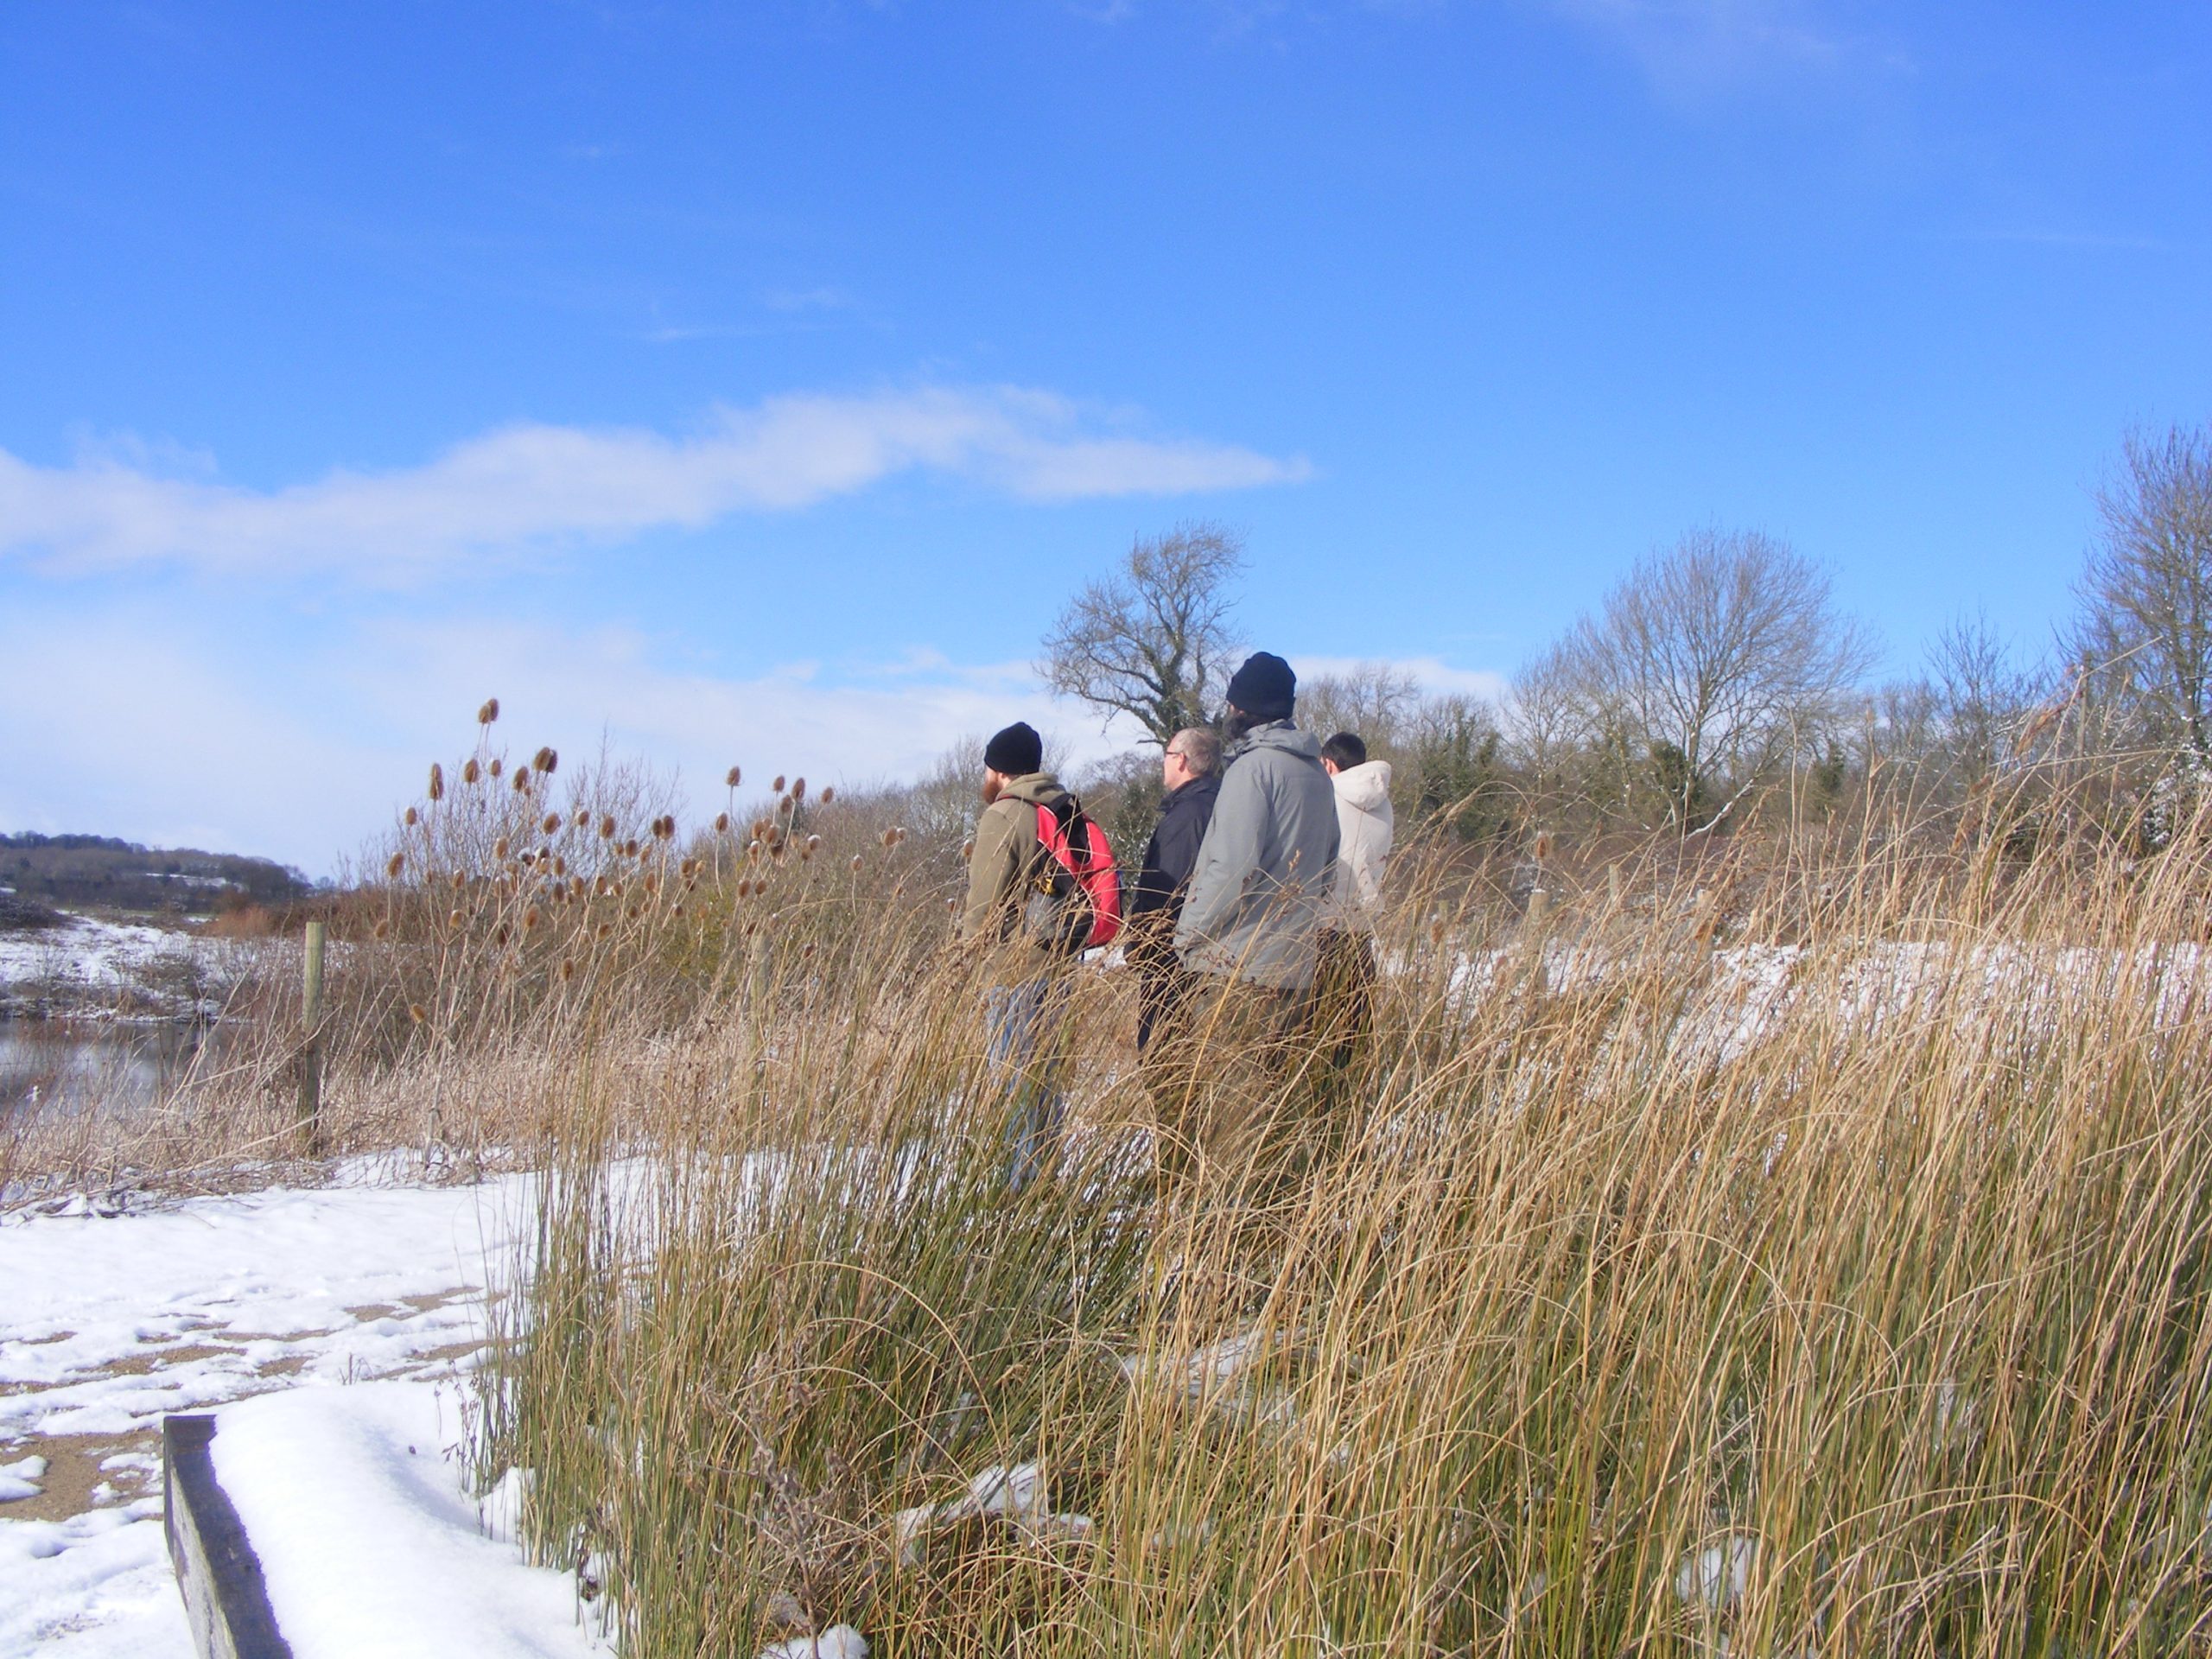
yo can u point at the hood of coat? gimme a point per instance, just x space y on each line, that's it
1035 788
1279 734
1366 785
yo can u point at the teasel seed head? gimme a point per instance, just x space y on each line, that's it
1543 845
798 790
459 879
575 887
813 845
394 865
531 918
734 774
417 1013
828 793
652 883
522 780
968 849
890 838
470 772
410 817
721 823
496 767
605 928
635 911
753 851
606 827
544 760
856 863
777 787
499 936
499 849
453 919
489 712
688 869
550 825
952 906
559 865
581 817
630 847
568 969
437 781
775 838
382 929
898 834
676 910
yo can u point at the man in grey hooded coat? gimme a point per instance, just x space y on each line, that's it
1248 941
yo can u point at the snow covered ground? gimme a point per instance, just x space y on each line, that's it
87 966
107 1322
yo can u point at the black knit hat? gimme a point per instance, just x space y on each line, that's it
1264 688
1016 751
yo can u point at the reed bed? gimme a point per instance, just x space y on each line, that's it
1803 1253
1798 1246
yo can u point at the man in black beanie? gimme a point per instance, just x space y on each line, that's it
1026 975
1247 939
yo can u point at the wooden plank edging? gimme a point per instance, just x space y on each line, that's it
226 1601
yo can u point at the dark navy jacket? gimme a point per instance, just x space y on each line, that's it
1172 853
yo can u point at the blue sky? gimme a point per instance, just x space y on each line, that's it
754 382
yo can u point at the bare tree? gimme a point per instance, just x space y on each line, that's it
1153 641
1374 700
1982 698
1720 657
2146 595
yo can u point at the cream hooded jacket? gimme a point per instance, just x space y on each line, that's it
1365 826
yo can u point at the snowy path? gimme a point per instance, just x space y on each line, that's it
107 1322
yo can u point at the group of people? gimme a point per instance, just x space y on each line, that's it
1248 928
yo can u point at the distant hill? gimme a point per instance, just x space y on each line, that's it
76 872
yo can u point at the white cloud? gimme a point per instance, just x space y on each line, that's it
141 725
529 487
1690 48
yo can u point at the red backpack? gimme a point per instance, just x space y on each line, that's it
1084 888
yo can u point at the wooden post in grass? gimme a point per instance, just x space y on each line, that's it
1539 907
311 1050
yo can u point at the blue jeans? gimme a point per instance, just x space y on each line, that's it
1024 1059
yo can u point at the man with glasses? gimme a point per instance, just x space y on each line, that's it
1190 770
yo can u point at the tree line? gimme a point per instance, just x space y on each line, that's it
80 871
1719 684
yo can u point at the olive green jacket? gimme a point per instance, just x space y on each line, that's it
1002 871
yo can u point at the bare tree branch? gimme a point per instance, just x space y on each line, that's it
1153 641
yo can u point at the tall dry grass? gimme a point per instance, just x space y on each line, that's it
516 913
1802 1252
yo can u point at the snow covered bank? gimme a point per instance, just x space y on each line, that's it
106 1323
92 968
370 1545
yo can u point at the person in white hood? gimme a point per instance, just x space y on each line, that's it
1365 827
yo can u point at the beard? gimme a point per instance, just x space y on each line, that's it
992 785
1237 725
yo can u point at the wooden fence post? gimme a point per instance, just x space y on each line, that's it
1539 909
311 1050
